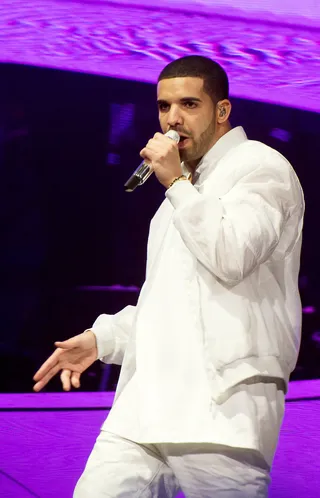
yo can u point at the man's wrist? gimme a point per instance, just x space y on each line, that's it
176 179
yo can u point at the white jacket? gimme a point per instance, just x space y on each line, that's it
220 303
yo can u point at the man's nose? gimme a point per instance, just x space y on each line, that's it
174 117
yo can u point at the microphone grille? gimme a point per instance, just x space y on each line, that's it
174 135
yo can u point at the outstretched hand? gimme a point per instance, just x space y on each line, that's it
73 357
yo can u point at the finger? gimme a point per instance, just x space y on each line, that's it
163 139
143 154
156 148
68 344
44 380
155 145
150 153
158 136
65 379
51 362
75 379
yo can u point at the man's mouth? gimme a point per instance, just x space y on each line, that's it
183 141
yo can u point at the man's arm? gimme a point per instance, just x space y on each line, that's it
232 235
112 333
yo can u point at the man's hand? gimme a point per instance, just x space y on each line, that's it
73 357
163 153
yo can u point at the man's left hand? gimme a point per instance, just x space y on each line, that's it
163 154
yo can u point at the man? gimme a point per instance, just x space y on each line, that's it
207 352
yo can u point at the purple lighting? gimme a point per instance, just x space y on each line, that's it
270 51
283 135
308 310
108 288
42 454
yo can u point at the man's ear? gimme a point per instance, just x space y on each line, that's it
223 111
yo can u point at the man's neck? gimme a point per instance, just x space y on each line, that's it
192 165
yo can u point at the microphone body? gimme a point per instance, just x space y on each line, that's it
144 170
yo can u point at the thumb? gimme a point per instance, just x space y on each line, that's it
68 344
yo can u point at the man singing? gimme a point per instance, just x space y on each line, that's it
207 352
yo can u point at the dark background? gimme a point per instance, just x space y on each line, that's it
68 142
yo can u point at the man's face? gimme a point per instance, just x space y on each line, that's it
185 107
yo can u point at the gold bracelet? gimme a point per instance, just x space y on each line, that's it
182 177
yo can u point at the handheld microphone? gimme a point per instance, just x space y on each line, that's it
144 170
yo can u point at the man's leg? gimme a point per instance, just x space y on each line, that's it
207 471
119 468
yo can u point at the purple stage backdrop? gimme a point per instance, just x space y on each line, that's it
46 439
269 48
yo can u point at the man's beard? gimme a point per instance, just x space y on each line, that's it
200 148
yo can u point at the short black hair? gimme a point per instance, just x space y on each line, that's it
215 79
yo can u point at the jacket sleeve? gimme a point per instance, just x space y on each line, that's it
233 234
112 333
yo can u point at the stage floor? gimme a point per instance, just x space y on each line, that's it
46 439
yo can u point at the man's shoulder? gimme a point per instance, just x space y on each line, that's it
253 158
258 154
258 149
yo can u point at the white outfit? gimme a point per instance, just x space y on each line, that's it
219 311
118 468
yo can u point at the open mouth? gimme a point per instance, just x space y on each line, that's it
183 140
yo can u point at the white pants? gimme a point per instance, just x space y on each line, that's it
119 468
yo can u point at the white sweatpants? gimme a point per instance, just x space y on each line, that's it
119 468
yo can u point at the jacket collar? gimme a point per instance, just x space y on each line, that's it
208 163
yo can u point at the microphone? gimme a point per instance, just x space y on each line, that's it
144 170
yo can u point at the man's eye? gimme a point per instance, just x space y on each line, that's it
190 105
163 107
